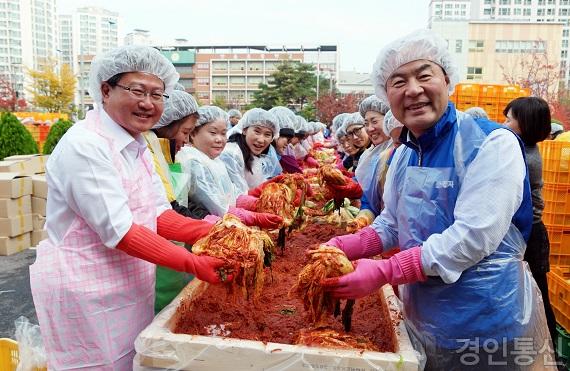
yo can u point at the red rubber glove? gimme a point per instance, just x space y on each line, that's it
174 226
362 244
262 220
247 202
256 192
143 243
370 275
318 145
350 190
311 162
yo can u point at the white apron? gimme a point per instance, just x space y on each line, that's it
92 301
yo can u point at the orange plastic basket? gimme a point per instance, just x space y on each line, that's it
559 294
559 238
555 162
10 356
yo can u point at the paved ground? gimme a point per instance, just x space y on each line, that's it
15 295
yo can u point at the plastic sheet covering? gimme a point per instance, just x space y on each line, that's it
159 349
210 184
31 346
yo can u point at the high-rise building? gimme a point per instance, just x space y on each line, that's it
517 11
28 35
86 32
138 37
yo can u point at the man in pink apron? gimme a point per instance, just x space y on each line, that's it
109 221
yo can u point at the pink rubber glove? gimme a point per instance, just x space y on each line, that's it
246 202
311 162
262 220
370 275
212 219
362 244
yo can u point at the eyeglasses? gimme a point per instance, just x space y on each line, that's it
355 132
137 92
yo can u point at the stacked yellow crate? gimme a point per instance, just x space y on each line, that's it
492 98
556 217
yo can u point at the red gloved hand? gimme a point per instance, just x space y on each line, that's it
311 162
176 227
262 220
350 190
247 202
143 243
256 192
370 275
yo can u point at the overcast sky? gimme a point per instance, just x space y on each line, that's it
358 27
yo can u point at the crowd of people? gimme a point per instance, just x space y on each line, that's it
448 193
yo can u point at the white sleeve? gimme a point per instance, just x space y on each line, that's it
93 189
490 194
162 203
386 223
236 170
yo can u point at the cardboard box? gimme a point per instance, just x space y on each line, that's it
39 186
38 236
14 185
39 205
16 225
12 245
10 207
38 161
38 221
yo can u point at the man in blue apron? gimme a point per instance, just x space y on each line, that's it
457 203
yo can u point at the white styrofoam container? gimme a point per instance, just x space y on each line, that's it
158 348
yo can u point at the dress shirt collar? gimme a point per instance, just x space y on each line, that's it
121 137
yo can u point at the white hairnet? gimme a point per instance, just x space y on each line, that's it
234 113
420 44
338 120
353 119
390 123
131 58
179 105
285 117
179 86
372 103
477 112
207 114
260 117
300 124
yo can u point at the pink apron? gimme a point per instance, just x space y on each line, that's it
93 301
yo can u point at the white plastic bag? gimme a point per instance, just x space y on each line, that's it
32 351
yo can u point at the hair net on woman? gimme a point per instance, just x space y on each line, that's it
179 105
477 112
234 113
131 58
207 114
390 123
353 119
420 44
341 131
338 120
179 86
285 119
372 103
260 117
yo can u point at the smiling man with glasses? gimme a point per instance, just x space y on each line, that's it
109 221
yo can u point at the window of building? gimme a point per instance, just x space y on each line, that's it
203 81
203 66
564 54
540 12
550 2
526 12
564 2
505 2
517 11
504 11
518 2
521 46
487 2
203 95
563 11
541 2
458 46
476 45
565 33
474 73
550 11
565 44
219 81
237 80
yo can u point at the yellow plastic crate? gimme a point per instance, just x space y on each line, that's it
559 294
559 238
10 355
